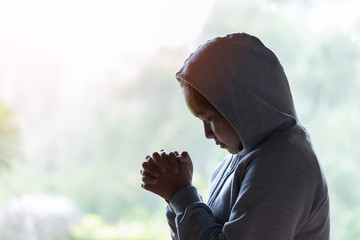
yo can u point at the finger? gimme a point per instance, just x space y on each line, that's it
151 168
151 161
162 152
165 158
173 162
160 162
149 180
145 186
148 174
148 187
184 157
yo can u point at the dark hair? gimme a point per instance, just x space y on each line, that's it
195 95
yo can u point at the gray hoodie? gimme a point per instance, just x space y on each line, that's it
274 188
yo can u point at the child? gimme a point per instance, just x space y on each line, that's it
271 185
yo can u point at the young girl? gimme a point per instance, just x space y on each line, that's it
271 185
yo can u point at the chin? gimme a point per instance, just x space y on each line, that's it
234 151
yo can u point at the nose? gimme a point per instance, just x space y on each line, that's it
209 134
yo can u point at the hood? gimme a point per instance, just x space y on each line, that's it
245 82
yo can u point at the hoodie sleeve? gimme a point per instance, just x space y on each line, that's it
194 219
170 216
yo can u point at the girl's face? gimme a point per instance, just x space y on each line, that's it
215 125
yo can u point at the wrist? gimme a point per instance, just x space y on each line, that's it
177 189
182 198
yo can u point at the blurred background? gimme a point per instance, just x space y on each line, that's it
87 90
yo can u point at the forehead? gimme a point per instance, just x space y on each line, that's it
196 102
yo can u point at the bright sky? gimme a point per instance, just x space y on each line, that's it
53 45
89 33
55 56
59 59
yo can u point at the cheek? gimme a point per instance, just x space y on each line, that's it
220 131
227 133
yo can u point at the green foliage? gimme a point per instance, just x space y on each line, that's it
94 227
8 137
103 178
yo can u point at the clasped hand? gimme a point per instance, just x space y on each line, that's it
166 173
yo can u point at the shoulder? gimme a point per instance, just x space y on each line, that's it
287 156
288 148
